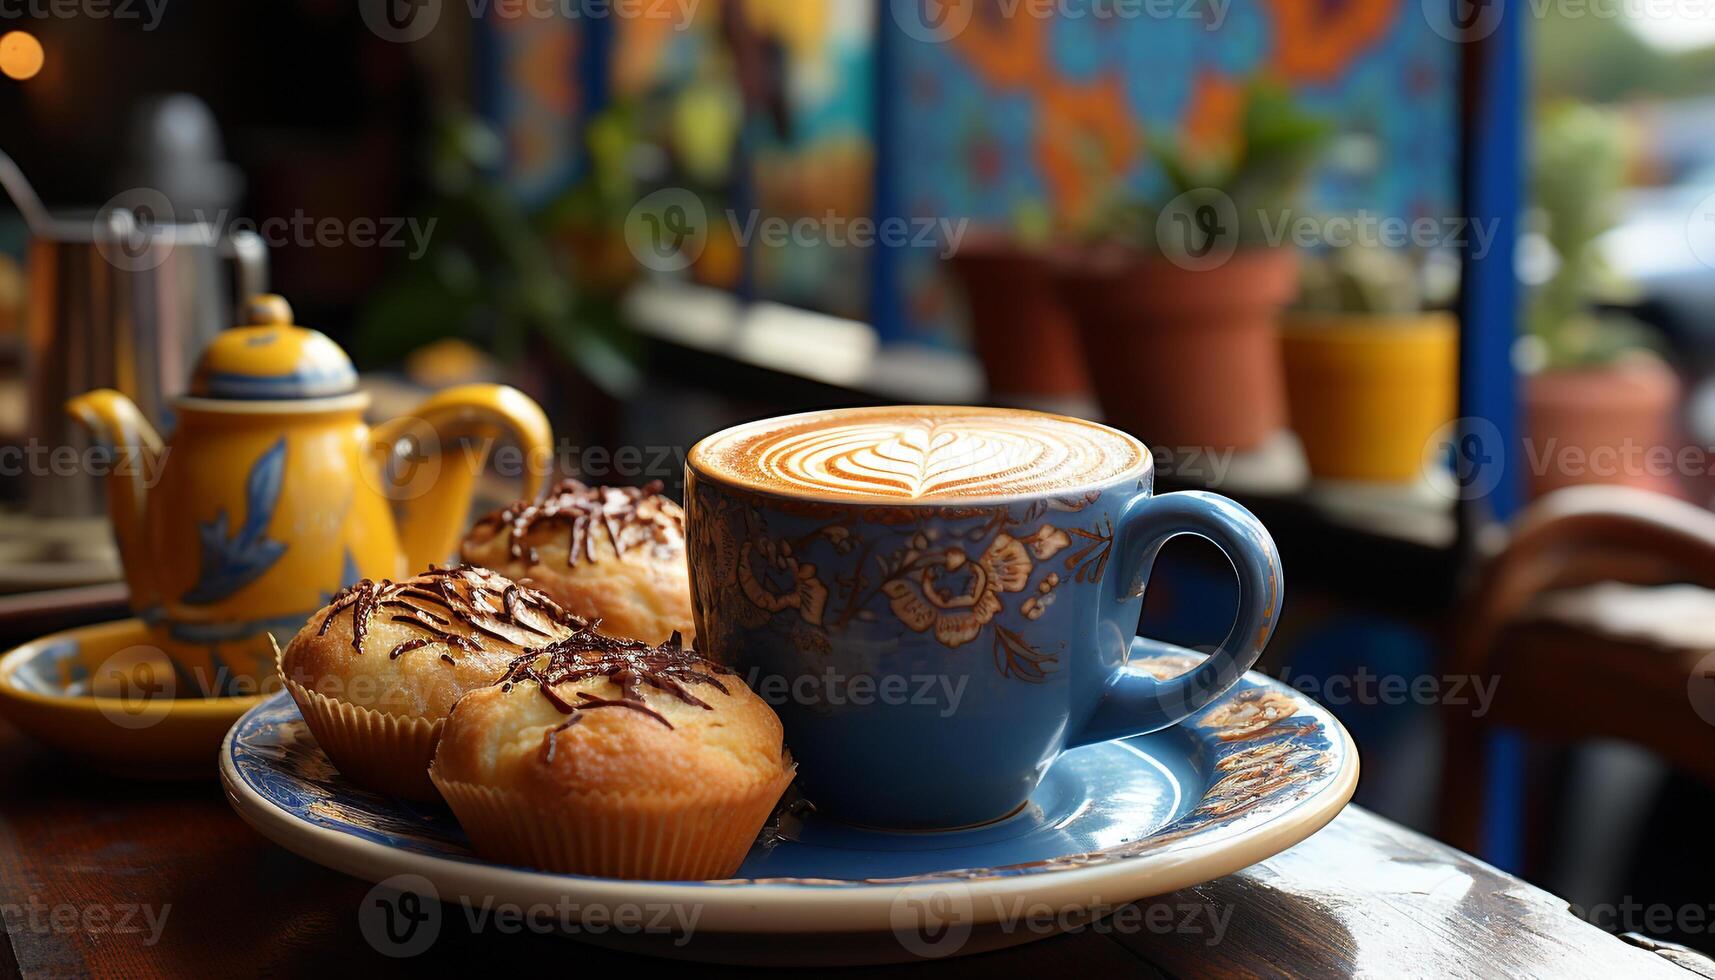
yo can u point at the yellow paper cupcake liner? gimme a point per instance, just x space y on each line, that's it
615 835
377 751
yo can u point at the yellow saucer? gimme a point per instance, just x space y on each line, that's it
103 695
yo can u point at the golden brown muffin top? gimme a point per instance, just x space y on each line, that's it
629 664
413 647
592 713
597 523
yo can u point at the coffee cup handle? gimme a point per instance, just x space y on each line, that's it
1136 702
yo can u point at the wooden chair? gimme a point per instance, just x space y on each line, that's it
1593 620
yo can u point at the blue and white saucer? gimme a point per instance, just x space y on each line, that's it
1250 776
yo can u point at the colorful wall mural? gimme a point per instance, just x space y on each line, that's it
821 165
535 101
770 122
1012 120
1026 120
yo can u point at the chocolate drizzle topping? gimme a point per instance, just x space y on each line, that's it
632 517
415 612
416 643
629 664
441 600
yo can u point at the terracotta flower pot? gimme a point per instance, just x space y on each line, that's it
1368 391
1179 357
1026 340
1613 424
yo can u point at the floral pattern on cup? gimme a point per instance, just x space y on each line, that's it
953 582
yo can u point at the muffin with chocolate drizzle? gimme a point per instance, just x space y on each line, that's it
616 554
610 757
376 672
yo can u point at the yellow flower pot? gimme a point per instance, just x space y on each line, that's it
1367 391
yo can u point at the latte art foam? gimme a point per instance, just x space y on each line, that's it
919 453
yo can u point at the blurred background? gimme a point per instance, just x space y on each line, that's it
1407 278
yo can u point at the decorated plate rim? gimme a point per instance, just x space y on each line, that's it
800 903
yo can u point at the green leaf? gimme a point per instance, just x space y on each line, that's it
1277 144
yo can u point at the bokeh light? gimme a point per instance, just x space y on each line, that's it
21 55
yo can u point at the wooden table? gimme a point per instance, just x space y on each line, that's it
93 867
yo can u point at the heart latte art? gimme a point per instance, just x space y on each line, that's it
919 453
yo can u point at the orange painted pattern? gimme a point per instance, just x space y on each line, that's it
541 70
1008 52
1212 119
1315 40
639 48
1086 137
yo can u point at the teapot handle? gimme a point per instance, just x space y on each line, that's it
428 461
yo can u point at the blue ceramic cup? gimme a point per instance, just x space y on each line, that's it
939 601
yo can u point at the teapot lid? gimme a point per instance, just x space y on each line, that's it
269 359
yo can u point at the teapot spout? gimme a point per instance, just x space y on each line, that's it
115 420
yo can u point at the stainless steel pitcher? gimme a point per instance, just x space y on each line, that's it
123 298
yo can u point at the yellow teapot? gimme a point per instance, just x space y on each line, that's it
272 493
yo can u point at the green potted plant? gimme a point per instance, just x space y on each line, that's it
1178 299
1596 398
1370 374
1021 332
521 284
